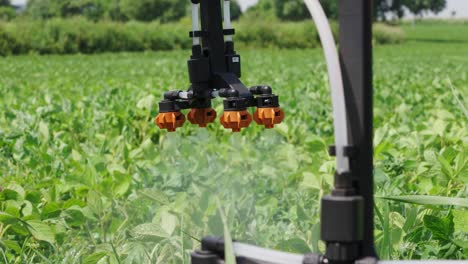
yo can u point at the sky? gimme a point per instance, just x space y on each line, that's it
460 6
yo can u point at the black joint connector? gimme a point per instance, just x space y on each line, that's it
343 184
198 34
213 244
229 48
342 220
195 1
342 252
167 106
349 151
204 257
172 95
267 101
261 89
190 94
196 51
228 93
229 32
235 104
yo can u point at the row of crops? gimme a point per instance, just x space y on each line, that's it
78 35
86 177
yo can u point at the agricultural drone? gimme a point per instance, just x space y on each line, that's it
214 70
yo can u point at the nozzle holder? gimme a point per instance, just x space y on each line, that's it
168 106
267 101
235 104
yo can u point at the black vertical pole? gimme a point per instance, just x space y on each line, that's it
355 42
213 41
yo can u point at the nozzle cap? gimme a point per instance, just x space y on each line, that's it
201 116
170 120
269 117
236 120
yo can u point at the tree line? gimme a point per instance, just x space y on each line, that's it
174 10
115 10
383 9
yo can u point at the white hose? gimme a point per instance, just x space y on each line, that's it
195 23
266 256
336 82
227 18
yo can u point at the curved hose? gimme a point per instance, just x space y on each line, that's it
336 83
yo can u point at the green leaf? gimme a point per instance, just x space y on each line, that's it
149 232
215 224
33 196
122 183
14 192
295 245
74 216
51 210
460 219
13 245
41 231
315 143
429 200
95 203
446 168
8 219
94 258
461 243
441 228
146 103
155 195
229 256
168 222
43 132
310 180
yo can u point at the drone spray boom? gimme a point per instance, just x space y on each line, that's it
214 71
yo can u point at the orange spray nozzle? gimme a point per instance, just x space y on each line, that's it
269 117
236 120
170 120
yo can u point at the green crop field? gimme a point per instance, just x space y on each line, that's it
86 176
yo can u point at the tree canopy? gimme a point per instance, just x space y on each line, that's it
173 10
419 7
236 10
120 10
296 9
